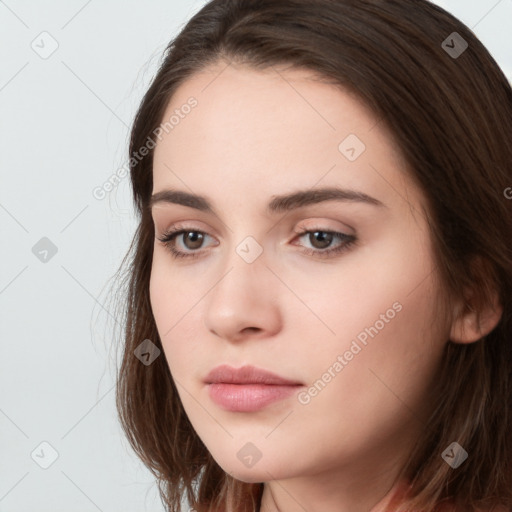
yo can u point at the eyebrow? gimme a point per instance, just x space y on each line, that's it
278 204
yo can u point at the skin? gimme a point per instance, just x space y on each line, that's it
253 135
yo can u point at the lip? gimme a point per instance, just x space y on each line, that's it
226 374
247 389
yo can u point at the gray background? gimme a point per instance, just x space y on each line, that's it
64 125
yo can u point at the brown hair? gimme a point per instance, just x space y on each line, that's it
451 116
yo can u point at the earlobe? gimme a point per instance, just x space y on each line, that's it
471 325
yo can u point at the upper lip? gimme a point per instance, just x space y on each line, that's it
246 375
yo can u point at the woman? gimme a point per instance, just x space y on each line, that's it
319 311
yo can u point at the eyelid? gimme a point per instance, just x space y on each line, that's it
321 224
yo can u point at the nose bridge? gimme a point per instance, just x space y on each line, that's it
244 268
240 298
245 243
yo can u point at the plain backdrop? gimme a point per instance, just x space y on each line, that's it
71 77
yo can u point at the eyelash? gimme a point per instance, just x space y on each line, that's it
168 239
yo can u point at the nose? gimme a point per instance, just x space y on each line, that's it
244 302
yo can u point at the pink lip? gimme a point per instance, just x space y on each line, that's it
247 389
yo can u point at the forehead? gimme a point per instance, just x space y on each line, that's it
273 129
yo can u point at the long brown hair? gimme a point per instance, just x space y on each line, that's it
451 116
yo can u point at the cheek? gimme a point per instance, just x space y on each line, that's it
380 311
171 293
351 296
164 299
175 303
380 385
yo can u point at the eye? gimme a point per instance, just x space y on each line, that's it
192 236
321 238
192 239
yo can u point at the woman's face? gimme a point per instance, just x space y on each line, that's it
344 311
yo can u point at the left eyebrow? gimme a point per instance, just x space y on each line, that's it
278 204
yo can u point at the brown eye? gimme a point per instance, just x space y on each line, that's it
320 239
192 239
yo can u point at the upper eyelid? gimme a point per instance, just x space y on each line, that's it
178 227
318 222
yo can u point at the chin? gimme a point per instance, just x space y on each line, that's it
247 475
255 478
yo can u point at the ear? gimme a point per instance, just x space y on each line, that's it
472 322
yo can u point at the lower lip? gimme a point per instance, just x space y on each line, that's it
248 397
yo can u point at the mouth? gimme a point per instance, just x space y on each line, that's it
247 389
